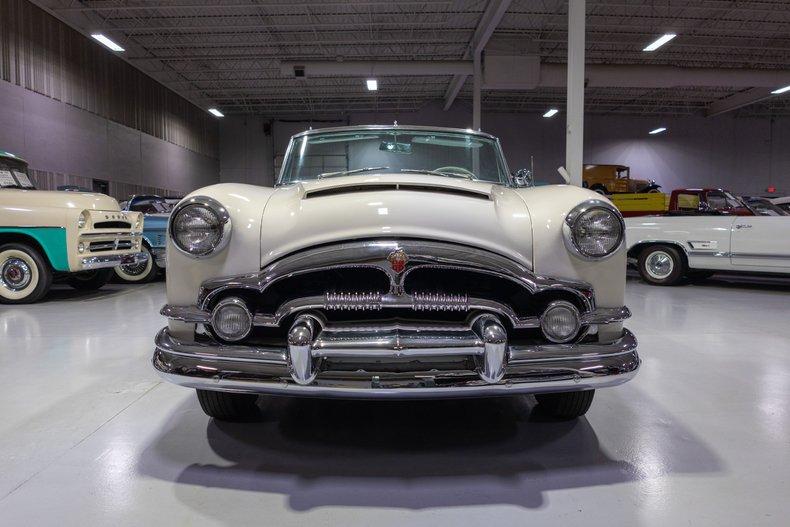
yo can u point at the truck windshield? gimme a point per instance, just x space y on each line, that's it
438 153
13 174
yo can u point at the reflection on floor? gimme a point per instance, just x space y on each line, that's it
89 435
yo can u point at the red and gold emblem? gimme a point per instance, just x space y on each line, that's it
397 260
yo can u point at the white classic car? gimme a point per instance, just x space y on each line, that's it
44 235
395 262
666 249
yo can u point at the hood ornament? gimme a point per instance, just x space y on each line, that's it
397 260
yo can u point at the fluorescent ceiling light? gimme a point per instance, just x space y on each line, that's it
781 90
658 130
663 39
373 84
107 42
215 112
551 113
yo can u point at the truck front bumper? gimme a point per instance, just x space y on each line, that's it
210 365
112 260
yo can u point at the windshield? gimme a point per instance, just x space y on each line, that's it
765 208
151 206
449 154
13 174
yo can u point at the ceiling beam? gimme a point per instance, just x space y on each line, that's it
488 22
737 100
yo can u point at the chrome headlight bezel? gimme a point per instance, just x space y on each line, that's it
571 223
216 208
82 219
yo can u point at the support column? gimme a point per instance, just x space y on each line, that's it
476 89
574 139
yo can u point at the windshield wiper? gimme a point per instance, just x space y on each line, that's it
347 172
434 172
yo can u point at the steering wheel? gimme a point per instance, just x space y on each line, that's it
459 171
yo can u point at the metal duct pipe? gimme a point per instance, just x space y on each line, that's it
374 68
646 76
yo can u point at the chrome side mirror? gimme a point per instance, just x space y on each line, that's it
523 178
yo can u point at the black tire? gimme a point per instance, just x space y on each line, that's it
565 405
40 274
89 280
226 406
661 265
138 273
600 189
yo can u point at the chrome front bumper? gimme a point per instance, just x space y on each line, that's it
112 260
210 365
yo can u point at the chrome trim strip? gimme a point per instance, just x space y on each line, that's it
113 260
550 368
195 315
757 256
110 234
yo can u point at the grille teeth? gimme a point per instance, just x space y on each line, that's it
439 302
353 301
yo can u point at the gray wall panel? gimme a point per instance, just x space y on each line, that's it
124 155
743 154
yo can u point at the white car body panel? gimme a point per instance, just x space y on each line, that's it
753 243
522 224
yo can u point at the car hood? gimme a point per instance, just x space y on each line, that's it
474 213
59 198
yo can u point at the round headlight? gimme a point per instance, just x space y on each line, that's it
82 220
200 226
231 320
594 229
560 322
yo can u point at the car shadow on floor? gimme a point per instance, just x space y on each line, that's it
755 282
407 454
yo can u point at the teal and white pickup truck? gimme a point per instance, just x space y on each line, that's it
44 235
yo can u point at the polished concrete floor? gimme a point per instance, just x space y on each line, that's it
90 436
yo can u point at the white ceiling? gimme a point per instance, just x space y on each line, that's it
228 53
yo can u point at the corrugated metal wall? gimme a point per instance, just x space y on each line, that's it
42 54
45 180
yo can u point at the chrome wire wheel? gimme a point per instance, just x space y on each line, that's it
16 274
137 272
659 265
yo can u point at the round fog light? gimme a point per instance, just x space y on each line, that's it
231 320
560 322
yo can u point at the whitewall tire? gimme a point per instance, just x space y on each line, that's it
138 273
661 265
25 276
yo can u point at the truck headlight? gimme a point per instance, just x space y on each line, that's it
82 220
594 230
200 226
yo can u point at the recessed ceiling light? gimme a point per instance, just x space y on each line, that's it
658 130
781 90
660 41
551 113
107 42
215 112
373 84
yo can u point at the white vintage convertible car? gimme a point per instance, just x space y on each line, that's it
395 262
666 249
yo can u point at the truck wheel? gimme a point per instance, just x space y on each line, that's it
566 405
25 275
600 189
138 273
89 280
226 406
661 265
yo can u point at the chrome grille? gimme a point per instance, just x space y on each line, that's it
439 302
353 301
110 245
